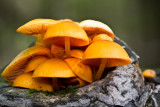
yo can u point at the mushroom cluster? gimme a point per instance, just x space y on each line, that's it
66 53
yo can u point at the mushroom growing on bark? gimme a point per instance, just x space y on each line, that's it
149 73
54 68
18 64
25 80
83 71
105 54
66 33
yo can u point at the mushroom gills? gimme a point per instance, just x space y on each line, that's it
67 46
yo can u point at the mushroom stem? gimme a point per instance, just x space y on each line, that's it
100 70
39 41
67 46
55 84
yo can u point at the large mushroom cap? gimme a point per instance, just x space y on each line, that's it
95 27
57 32
111 51
54 68
81 70
17 66
25 80
36 26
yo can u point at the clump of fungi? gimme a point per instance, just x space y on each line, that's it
66 53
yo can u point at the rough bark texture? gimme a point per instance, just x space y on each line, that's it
122 86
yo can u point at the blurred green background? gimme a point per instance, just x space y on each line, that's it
135 21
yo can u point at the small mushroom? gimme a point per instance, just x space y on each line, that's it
81 70
93 28
75 53
18 64
102 37
25 80
54 68
105 54
66 33
34 62
149 73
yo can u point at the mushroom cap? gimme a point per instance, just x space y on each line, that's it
102 37
36 26
25 80
76 82
17 66
111 51
95 27
57 51
53 68
57 33
75 53
34 62
149 73
81 70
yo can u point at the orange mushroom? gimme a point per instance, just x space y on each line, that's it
105 54
93 27
66 33
149 73
38 28
34 62
102 37
25 80
81 70
54 68
75 53
18 64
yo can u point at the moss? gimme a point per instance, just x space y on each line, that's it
71 89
